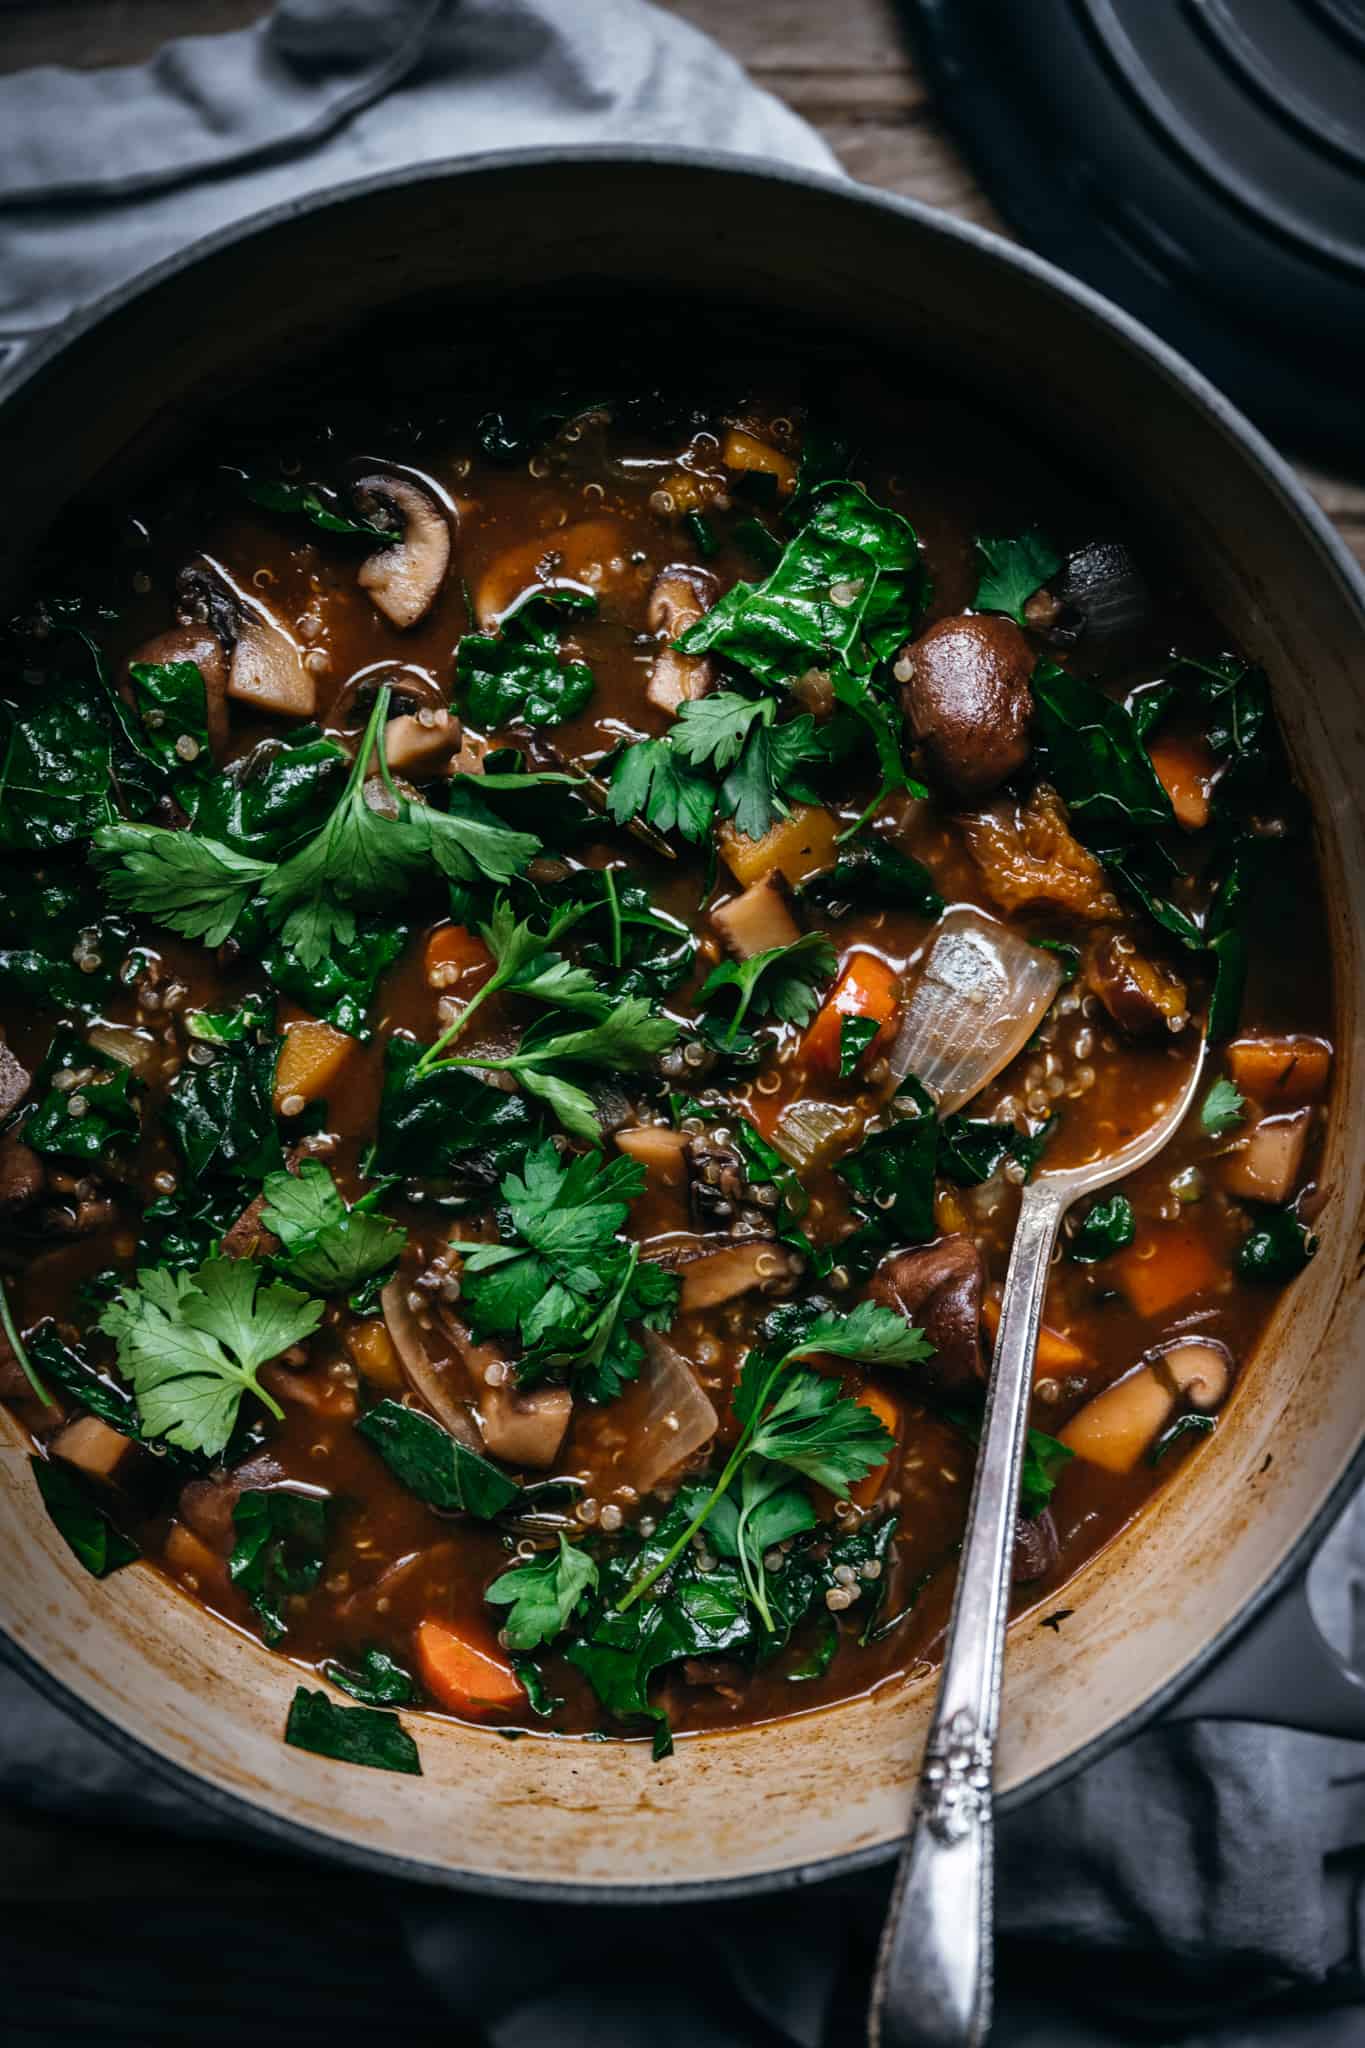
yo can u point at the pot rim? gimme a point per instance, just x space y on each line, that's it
39 357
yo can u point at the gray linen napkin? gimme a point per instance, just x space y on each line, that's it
1203 1885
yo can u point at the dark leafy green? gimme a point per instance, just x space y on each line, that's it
431 1464
869 871
377 1681
60 944
1277 1247
890 1179
172 708
517 677
221 1116
308 502
1107 1226
279 1552
80 1519
56 771
83 1123
1095 756
1183 1426
351 1735
444 1125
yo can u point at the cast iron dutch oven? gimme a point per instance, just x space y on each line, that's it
1221 1553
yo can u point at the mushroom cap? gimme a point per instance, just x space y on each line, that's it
1200 1368
403 580
939 1287
968 702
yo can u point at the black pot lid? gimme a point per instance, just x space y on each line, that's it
1202 162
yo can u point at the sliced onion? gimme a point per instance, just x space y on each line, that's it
650 1431
979 996
428 1377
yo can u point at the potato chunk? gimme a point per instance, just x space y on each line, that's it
757 920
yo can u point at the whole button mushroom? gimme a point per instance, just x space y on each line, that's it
967 700
938 1287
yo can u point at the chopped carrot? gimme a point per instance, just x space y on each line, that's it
1056 1353
1165 1267
311 1059
1280 1073
888 1413
1184 768
455 954
463 1674
866 988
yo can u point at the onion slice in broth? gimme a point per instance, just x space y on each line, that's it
978 997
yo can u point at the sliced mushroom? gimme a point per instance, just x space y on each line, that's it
403 580
1266 1167
201 645
758 919
680 596
525 1428
1097 594
1036 1548
1139 994
435 1381
268 672
1199 1368
593 555
967 701
755 1263
23 1176
423 744
939 1287
15 1080
206 1505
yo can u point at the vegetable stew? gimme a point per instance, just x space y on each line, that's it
539 943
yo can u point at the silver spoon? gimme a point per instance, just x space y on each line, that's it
933 1982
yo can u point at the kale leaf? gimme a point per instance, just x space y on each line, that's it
517 676
350 1735
433 1465
1106 1227
82 1520
280 1550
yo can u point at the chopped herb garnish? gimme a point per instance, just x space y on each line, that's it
1012 570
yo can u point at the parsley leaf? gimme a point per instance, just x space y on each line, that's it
191 1344
650 777
781 981
565 1282
1223 1109
526 964
1045 1458
834 1435
1012 570
628 1038
195 886
324 1244
711 731
542 1595
516 677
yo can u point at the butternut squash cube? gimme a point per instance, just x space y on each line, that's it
796 847
311 1059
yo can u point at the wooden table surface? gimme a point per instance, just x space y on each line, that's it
847 68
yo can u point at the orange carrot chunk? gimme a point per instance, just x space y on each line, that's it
454 955
465 1675
888 1413
1056 1353
1164 1267
866 988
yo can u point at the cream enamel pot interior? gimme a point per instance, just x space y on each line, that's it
814 1793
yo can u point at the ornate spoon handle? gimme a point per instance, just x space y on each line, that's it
933 1982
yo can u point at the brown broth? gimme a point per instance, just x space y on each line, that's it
393 1561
